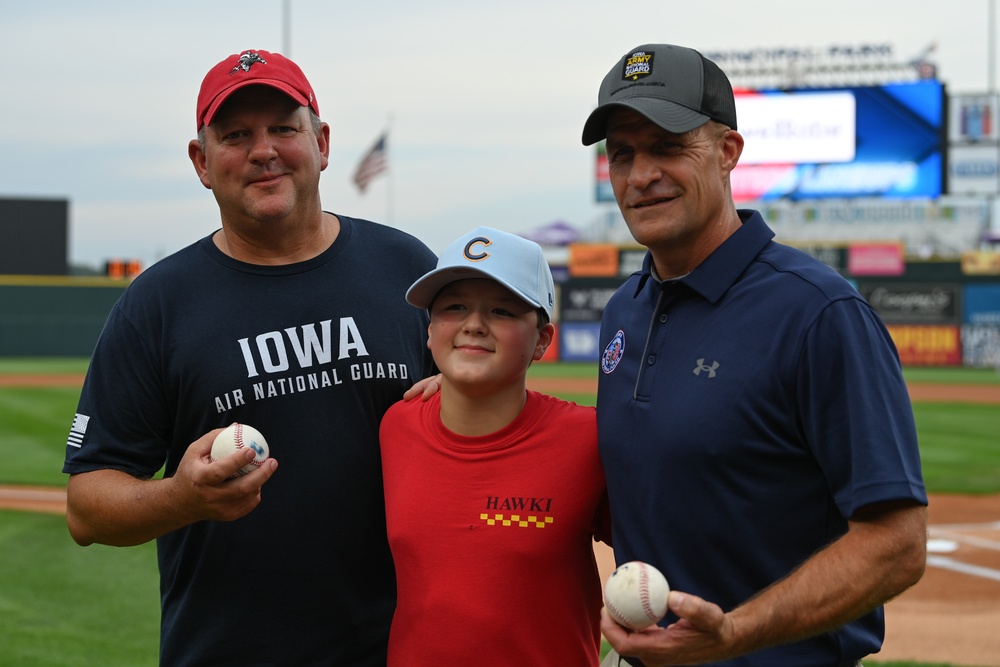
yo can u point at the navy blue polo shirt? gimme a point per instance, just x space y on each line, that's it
745 412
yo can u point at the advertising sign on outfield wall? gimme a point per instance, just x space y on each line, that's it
876 259
981 346
974 170
578 341
927 345
973 118
593 259
982 304
584 300
915 303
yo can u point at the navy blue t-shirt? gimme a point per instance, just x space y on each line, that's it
745 412
311 354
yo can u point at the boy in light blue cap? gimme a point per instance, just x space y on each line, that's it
494 493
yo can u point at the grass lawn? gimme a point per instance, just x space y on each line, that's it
948 375
959 446
49 365
64 605
35 423
563 370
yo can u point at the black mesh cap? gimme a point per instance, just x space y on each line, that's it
675 87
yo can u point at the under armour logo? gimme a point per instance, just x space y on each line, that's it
702 366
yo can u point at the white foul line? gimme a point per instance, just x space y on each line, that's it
957 566
973 541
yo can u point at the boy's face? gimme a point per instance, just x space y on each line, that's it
483 336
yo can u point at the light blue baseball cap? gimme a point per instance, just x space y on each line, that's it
515 262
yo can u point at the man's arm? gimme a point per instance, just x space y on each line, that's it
882 554
112 507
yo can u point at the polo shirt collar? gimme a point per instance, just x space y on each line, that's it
720 270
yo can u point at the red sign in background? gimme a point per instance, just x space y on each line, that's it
928 345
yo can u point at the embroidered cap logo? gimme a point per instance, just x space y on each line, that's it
478 257
246 61
638 64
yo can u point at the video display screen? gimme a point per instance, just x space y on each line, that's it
863 141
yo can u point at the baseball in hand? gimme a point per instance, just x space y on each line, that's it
636 595
236 437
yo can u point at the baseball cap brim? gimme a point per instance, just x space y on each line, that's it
422 293
670 116
224 95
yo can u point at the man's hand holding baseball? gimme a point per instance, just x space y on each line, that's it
213 489
703 633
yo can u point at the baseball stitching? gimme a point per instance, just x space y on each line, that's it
644 593
616 613
238 439
644 600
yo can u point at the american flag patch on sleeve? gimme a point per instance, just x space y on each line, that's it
77 430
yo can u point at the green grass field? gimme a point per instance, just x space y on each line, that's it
64 605
61 604
51 366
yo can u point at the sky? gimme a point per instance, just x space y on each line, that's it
484 102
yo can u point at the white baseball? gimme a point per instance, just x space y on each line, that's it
237 436
636 595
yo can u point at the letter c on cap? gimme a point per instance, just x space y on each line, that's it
477 257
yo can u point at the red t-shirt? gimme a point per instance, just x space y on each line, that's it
492 537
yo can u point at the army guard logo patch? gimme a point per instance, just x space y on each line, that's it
638 64
613 353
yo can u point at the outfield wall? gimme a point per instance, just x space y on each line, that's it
938 313
54 316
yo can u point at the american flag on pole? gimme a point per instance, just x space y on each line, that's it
372 164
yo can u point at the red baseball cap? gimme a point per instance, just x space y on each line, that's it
249 68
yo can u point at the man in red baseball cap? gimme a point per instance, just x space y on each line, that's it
290 319
252 68
266 184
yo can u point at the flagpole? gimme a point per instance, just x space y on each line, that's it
391 179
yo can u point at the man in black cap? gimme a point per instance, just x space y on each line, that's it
755 429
